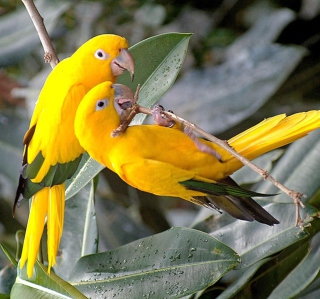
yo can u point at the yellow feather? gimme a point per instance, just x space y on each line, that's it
156 159
37 216
102 58
55 222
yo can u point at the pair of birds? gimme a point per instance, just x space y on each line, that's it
77 111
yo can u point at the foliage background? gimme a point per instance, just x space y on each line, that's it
247 60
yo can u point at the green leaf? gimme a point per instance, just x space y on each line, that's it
269 272
219 97
9 255
247 176
8 273
90 233
87 170
158 61
4 296
242 279
172 264
255 241
118 225
42 285
292 270
80 234
11 143
303 275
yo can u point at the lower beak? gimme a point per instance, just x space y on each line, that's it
123 99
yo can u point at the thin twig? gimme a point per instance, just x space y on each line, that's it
134 110
50 55
295 195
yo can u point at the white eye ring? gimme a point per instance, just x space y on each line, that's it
100 54
101 104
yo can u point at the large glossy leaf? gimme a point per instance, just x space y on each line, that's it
118 225
242 280
303 275
43 286
18 39
87 170
247 176
264 250
80 234
218 97
8 273
9 255
11 144
255 241
158 61
298 169
269 271
172 264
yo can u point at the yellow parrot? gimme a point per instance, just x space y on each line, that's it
166 162
51 150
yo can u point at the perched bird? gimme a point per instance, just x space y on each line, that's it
51 150
166 162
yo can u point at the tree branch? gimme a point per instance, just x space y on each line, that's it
295 195
50 55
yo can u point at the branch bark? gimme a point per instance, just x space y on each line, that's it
295 195
50 55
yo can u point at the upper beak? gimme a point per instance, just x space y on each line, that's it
123 99
122 62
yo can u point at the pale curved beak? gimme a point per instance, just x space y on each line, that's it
123 99
123 62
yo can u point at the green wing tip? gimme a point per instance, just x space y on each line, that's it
222 189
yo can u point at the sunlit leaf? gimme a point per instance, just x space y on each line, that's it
43 286
255 241
158 61
172 264
302 276
218 97
80 234
11 143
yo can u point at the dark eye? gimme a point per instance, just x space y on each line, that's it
101 104
100 54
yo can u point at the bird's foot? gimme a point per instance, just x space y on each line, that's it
201 146
298 203
159 118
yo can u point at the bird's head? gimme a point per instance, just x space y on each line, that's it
105 57
102 109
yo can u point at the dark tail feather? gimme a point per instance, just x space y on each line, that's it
244 208
19 191
229 197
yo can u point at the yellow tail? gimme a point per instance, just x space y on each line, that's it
270 134
46 205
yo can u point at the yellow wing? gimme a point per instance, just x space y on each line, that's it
52 151
157 177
